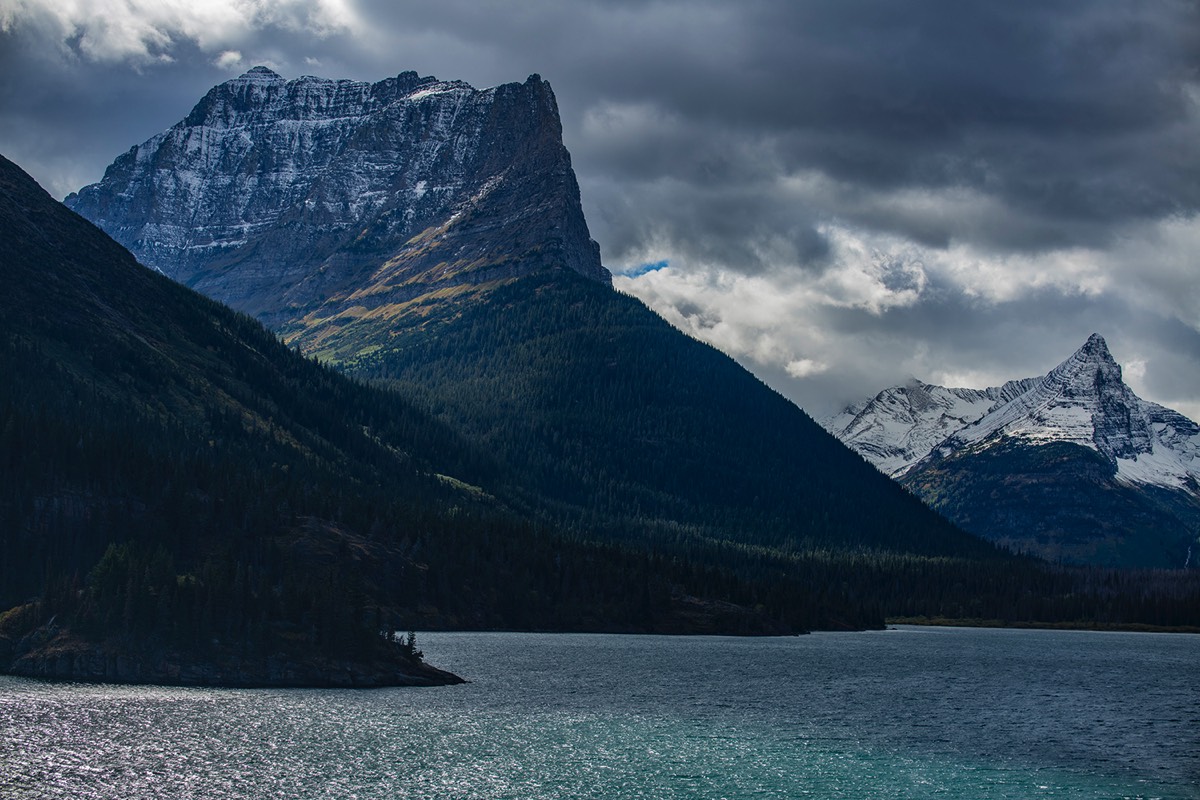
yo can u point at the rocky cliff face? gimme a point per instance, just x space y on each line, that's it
1083 400
317 204
1072 465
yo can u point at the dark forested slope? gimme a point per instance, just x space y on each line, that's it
616 417
173 480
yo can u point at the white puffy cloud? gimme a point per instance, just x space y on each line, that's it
803 367
149 31
228 60
883 309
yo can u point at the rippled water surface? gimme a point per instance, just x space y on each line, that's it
911 713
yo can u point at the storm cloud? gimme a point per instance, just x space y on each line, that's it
839 195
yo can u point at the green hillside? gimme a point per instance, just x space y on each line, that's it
185 499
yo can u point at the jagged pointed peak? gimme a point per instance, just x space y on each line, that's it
1082 401
1096 348
1094 354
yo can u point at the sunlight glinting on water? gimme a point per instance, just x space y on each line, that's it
835 716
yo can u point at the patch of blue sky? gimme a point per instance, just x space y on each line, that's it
642 269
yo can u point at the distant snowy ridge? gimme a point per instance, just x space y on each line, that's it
901 425
1082 401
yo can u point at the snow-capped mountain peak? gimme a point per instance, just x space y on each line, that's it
1082 401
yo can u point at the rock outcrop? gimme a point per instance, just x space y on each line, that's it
318 205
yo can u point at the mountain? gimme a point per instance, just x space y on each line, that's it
184 499
328 208
1070 466
430 236
603 423
901 425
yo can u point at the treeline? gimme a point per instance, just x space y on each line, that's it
1026 590
220 528
249 542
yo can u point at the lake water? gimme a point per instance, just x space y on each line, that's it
909 713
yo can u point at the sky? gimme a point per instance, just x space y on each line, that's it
840 195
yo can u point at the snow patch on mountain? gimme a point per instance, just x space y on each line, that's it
901 425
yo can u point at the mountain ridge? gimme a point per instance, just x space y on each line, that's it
876 428
1148 469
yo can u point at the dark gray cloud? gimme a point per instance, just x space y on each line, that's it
1080 117
844 193
1084 114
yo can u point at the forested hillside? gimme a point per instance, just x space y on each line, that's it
170 472
623 422
185 499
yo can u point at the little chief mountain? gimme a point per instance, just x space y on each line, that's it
328 209
430 236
